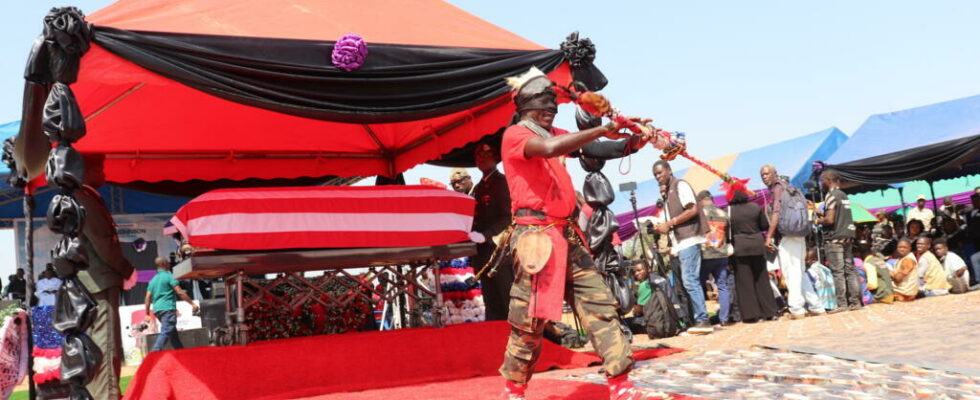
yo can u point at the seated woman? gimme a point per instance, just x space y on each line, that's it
904 276
932 274
914 229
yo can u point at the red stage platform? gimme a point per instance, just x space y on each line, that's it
321 365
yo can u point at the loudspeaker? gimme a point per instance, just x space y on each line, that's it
190 338
212 313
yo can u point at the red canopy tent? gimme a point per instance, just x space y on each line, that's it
152 128
164 92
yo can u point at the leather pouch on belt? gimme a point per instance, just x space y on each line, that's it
533 249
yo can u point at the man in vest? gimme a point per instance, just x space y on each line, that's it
543 201
687 227
839 232
791 251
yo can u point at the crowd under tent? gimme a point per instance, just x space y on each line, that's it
792 158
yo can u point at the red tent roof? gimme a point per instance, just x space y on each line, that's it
153 129
425 22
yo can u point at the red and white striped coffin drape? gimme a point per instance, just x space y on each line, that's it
325 217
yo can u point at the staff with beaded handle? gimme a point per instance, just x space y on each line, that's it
671 144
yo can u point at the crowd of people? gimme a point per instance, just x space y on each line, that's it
46 287
782 254
763 257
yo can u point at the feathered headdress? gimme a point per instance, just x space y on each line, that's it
533 91
517 82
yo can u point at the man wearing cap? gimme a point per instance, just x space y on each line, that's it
921 213
879 227
491 217
543 202
461 181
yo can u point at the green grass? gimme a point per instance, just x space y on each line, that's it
22 395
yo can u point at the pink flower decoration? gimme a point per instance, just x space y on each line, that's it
349 52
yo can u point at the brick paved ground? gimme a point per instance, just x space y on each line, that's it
939 330
929 331
774 374
935 333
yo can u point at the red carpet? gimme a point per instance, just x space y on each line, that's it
340 363
486 388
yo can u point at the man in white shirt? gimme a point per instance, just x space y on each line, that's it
687 227
47 287
921 213
956 270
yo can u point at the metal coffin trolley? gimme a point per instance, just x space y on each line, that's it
356 235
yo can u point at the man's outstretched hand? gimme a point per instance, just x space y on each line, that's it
614 129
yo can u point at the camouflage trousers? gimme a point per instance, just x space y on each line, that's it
592 302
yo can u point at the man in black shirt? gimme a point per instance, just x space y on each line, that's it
973 235
839 232
18 286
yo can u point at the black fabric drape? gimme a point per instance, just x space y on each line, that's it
396 82
935 161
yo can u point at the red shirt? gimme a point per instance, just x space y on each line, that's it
537 183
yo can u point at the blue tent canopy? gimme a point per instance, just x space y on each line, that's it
936 141
791 158
118 200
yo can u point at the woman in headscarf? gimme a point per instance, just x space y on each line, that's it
755 298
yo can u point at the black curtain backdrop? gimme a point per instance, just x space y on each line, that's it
396 83
933 162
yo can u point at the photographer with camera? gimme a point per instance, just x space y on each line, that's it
687 226
162 294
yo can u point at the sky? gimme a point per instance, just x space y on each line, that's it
732 75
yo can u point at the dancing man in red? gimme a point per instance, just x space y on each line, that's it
543 200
